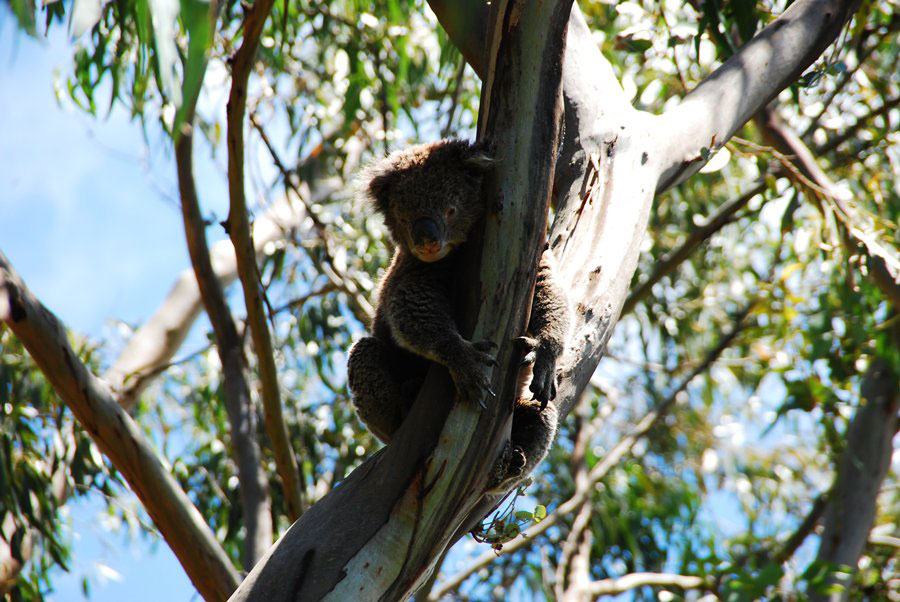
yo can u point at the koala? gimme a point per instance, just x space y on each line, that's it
430 196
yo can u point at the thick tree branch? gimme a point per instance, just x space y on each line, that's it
254 487
239 230
118 437
746 82
861 469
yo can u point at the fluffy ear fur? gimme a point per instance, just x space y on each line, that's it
379 190
479 157
482 161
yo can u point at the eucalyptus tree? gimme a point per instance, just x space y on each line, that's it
764 302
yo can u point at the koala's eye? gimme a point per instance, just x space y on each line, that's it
451 211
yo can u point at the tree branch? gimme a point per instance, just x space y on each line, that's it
118 437
698 236
746 82
859 236
584 487
861 469
358 302
611 587
253 485
239 230
151 348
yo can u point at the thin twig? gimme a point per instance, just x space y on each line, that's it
361 306
698 235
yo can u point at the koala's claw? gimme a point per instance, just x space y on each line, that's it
471 381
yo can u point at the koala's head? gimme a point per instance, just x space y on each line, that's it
430 195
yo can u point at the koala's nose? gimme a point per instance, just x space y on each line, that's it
426 234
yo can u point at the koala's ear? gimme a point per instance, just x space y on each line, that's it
379 190
481 161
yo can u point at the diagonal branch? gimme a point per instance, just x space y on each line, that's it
746 82
239 230
117 435
698 235
882 259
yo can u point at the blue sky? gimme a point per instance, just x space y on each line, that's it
88 219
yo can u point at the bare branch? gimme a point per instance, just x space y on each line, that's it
610 587
698 235
254 486
746 82
803 530
358 302
838 139
239 230
118 437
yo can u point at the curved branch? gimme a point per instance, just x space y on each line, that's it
117 435
239 230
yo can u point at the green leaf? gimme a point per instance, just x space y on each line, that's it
197 19
24 13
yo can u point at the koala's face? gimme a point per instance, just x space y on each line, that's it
430 195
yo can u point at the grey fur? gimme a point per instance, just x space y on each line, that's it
430 197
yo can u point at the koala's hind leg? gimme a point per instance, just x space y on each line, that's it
533 430
548 330
381 400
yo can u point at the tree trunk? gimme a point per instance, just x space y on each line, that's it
378 534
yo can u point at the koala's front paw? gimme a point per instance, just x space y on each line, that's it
471 381
543 368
